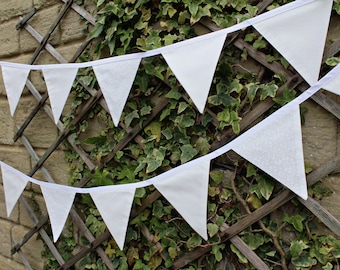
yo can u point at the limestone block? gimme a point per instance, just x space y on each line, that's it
6 241
44 3
319 134
10 264
32 249
42 131
16 156
6 123
14 8
37 204
9 38
332 203
72 27
68 50
56 167
43 20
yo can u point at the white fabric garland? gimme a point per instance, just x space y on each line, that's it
185 187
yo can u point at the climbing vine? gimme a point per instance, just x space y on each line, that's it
157 236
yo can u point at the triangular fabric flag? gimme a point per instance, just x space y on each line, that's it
187 191
300 35
58 202
333 85
194 66
275 146
14 81
59 83
115 207
14 184
115 80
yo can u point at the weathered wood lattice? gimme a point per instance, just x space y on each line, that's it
227 233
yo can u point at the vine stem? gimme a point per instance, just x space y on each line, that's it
273 235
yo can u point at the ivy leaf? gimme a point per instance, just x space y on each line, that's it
333 61
172 252
252 90
268 91
251 170
217 176
96 31
187 153
101 178
266 186
127 174
216 250
202 145
154 161
132 115
304 261
132 255
287 96
96 140
254 240
155 129
295 220
259 44
240 256
250 37
174 94
194 241
212 229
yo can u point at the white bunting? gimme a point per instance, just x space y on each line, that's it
300 35
194 66
58 203
187 191
14 184
14 81
59 83
115 207
334 85
115 81
275 146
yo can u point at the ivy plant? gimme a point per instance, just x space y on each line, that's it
157 237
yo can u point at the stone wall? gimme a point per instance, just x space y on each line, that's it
18 46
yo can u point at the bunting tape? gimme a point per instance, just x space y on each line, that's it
171 47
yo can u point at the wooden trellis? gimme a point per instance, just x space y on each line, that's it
227 233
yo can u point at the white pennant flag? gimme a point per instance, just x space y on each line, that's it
115 80
115 207
59 83
194 66
14 184
275 146
187 192
333 85
58 203
14 81
300 35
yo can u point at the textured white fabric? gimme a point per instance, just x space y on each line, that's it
115 81
334 85
194 66
115 207
276 148
59 83
14 184
58 203
300 35
187 191
14 81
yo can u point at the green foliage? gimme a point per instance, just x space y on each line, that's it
179 134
